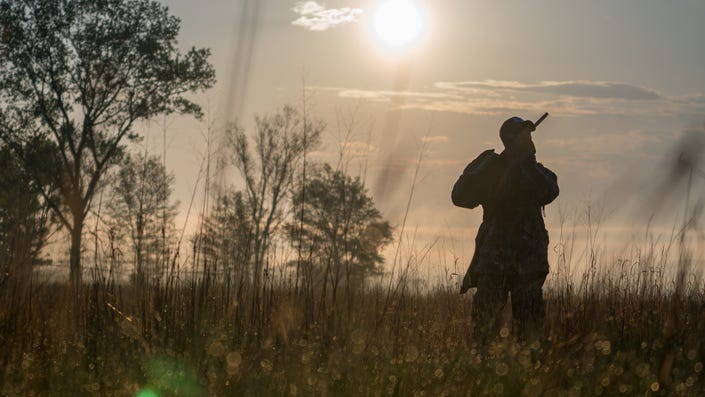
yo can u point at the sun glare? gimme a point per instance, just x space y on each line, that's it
398 23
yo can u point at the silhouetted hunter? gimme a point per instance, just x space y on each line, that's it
511 247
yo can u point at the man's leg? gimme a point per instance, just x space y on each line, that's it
487 306
528 309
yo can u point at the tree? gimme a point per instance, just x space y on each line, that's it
281 142
141 207
225 241
24 218
340 227
81 73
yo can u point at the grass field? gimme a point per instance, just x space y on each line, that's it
627 332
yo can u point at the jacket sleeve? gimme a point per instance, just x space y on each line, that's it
470 189
542 182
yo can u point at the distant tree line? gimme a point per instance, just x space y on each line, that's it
325 215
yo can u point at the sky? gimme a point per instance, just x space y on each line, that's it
623 81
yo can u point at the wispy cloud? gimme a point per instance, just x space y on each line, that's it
694 99
350 150
359 149
582 89
434 139
386 96
568 98
316 17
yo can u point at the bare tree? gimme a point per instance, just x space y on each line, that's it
225 239
81 73
141 207
280 142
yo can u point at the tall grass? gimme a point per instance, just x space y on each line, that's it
626 331
200 327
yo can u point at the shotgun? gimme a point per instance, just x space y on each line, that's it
536 124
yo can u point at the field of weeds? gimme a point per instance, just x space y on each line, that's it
627 333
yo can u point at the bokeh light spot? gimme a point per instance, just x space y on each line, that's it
147 393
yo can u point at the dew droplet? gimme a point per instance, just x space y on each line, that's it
411 354
502 369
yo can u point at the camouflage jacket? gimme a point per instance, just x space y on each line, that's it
512 238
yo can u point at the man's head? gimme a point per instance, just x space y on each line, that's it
516 136
513 128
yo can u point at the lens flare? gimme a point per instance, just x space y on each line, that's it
147 393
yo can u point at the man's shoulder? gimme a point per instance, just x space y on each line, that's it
481 162
489 153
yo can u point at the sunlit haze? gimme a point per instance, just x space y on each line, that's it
398 23
621 83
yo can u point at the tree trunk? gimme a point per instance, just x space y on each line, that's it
257 276
139 271
75 276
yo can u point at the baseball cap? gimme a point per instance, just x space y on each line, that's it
511 127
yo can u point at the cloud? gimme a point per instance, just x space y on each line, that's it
581 89
567 98
434 139
308 7
643 145
358 149
488 106
699 98
693 99
386 95
316 17
349 150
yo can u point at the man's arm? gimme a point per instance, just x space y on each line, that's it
542 182
468 191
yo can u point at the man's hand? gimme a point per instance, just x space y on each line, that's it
528 124
523 146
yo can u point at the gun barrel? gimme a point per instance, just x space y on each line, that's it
536 124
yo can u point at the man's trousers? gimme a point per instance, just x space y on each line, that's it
527 306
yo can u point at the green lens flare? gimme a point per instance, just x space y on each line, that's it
146 393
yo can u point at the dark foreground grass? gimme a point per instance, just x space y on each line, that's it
206 338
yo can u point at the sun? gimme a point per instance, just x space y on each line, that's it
398 23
